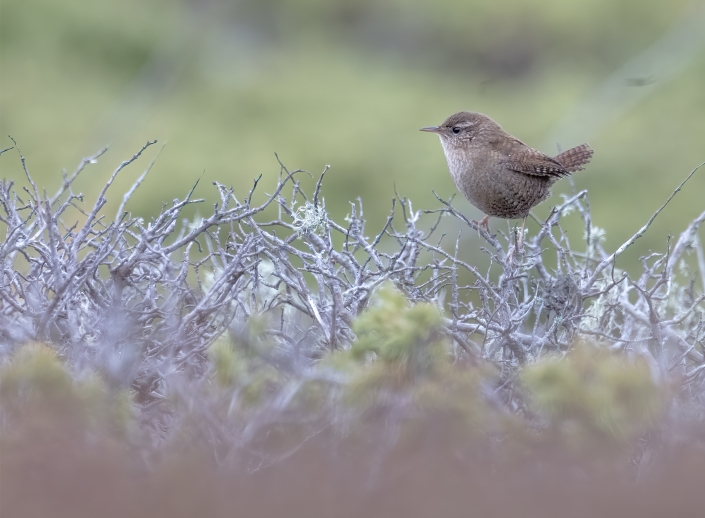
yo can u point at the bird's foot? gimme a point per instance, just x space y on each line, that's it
483 223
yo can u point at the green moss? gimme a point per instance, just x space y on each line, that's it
36 388
241 361
34 376
402 336
592 395
228 366
401 358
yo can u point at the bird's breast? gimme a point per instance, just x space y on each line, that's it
467 170
461 164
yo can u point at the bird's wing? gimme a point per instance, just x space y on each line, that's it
517 156
532 162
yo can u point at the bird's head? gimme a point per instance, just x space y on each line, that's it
460 129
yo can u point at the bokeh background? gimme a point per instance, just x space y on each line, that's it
348 83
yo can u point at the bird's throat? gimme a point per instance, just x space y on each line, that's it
460 161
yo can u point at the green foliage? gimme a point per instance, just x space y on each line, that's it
242 361
400 334
592 396
37 389
35 377
229 366
588 398
399 368
402 356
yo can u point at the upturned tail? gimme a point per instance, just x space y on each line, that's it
573 159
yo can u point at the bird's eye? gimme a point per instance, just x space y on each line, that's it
456 130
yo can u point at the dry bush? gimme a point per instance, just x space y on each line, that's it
232 353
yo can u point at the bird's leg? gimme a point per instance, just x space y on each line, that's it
520 240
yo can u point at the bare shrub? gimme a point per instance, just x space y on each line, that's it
242 329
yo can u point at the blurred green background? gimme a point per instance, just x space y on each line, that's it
348 83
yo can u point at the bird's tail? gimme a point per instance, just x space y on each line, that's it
573 159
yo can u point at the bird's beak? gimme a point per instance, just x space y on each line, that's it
431 129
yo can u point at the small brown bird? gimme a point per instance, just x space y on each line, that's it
498 173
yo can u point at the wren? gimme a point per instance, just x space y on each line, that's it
498 173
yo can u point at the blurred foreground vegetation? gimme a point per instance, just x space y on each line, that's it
411 434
